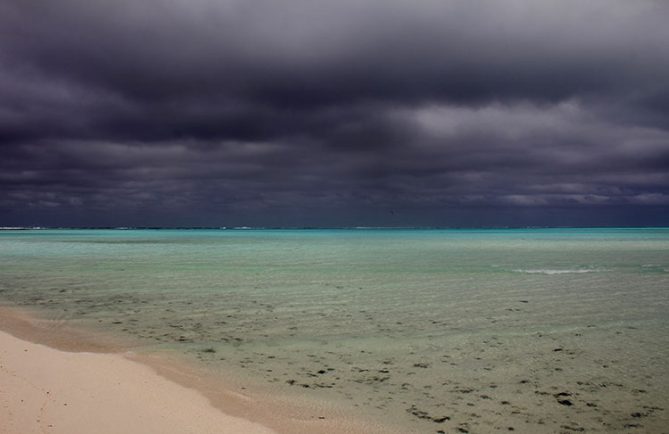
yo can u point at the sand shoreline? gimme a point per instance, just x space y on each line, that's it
67 380
49 390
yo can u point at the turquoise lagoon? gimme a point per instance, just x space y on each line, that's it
530 330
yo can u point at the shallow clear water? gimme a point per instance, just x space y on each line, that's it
470 330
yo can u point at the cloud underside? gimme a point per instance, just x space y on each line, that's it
305 112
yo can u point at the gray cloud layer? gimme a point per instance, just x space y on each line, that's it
207 112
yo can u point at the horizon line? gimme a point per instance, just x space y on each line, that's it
243 228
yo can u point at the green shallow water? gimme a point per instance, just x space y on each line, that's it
428 330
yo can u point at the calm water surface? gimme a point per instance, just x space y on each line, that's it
541 330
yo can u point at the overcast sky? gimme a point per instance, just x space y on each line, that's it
338 113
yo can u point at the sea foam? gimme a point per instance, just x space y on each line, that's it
550 271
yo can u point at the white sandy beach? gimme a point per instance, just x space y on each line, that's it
44 390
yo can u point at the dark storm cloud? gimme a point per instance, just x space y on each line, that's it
352 112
